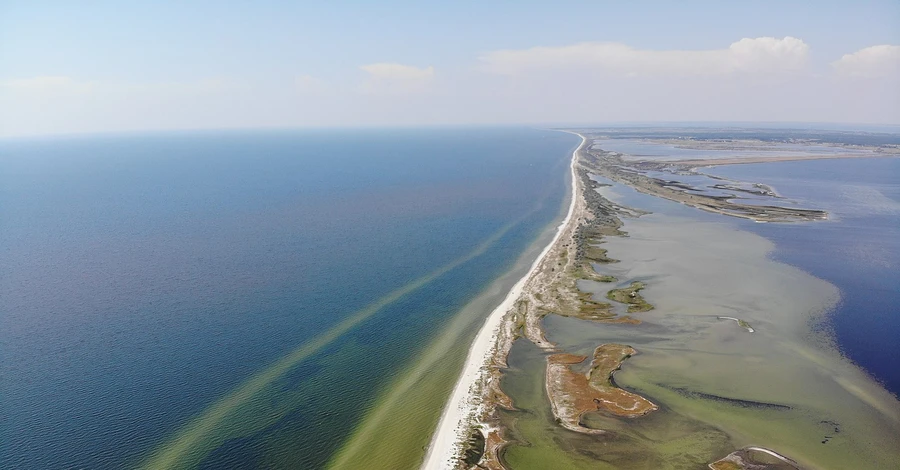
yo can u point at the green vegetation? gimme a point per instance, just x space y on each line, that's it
742 323
474 447
587 272
631 296
597 255
591 309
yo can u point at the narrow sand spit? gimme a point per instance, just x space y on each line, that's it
464 404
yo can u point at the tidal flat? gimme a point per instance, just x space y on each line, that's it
720 388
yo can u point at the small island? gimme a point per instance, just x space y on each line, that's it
572 394
742 323
631 295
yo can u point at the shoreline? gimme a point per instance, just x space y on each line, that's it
462 409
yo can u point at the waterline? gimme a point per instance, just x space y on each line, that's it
459 409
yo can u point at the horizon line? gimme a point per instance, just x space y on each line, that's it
883 128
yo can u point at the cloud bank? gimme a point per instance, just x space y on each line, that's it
765 54
870 62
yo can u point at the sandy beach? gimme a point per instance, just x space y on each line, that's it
464 405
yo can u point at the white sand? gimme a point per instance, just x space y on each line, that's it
463 407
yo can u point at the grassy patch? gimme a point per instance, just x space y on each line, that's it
586 271
631 296
591 309
597 254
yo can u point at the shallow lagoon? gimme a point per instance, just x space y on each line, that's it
857 249
719 387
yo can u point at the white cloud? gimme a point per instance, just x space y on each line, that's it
763 54
870 62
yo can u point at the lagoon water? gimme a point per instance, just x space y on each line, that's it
239 299
857 250
785 386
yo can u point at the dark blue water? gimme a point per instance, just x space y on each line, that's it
858 250
143 277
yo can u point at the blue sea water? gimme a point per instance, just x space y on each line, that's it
858 250
145 276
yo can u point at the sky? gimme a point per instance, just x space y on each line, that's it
92 66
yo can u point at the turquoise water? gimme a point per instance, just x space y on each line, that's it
146 277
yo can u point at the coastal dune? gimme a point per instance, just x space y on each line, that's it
463 406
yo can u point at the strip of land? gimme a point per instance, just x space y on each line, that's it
550 286
612 166
470 433
477 393
694 163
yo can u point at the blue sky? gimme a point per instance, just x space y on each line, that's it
111 66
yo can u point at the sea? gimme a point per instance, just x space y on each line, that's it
239 299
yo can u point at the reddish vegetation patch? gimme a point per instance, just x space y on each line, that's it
493 445
572 394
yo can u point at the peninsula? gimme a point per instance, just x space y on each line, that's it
471 432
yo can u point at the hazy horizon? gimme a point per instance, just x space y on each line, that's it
763 125
98 68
